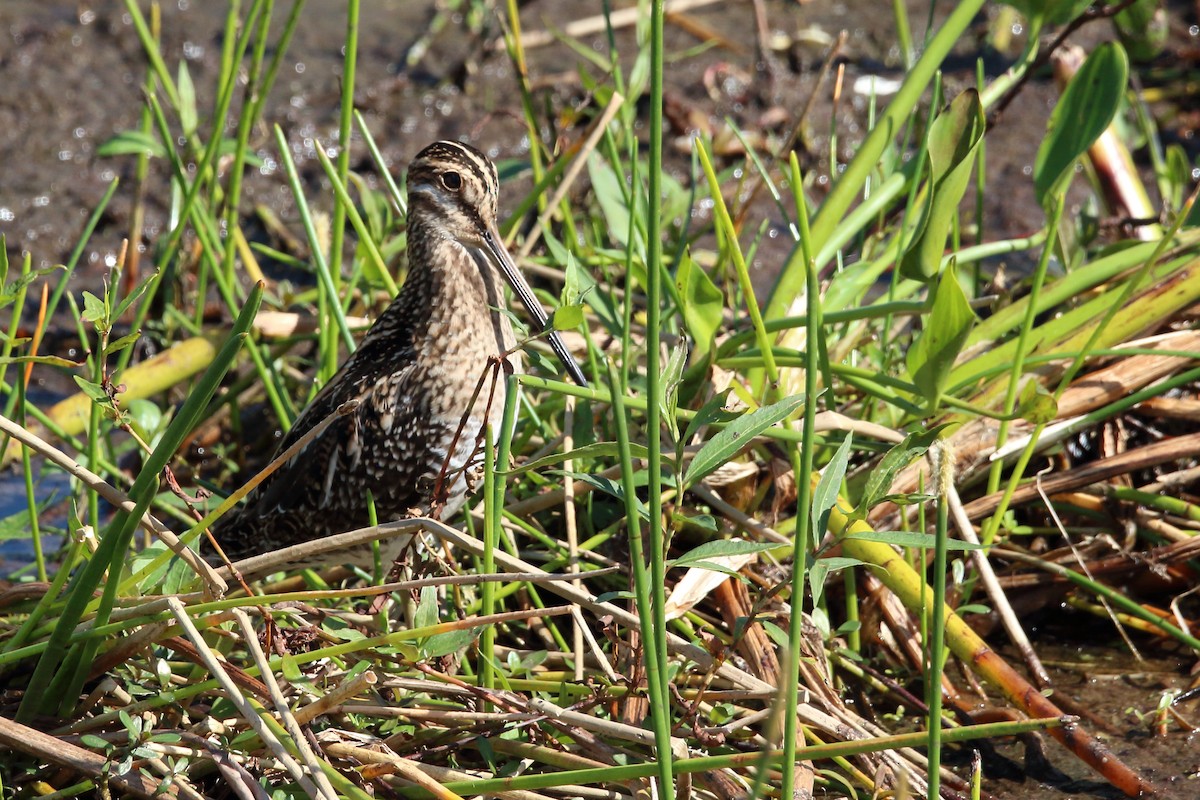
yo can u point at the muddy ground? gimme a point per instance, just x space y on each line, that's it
71 76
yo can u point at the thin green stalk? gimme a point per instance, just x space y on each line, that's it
260 15
1126 291
627 306
356 220
636 402
980 174
655 637
1168 505
206 231
491 526
850 589
385 174
46 600
1130 285
608 775
1114 596
14 324
492 521
1018 362
516 52
338 229
802 467
152 52
660 707
61 286
281 48
937 638
903 32
35 534
314 242
1081 281
721 214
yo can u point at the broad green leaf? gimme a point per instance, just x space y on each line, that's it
94 309
932 355
588 451
914 539
731 439
95 391
610 194
151 581
53 361
120 344
701 555
1084 111
612 488
778 635
954 138
187 100
291 670
576 281
880 479
426 614
703 303
711 412
672 376
145 416
568 318
826 493
819 570
910 498
443 644
137 292
579 287
1036 405
132 143
11 290
704 522
346 634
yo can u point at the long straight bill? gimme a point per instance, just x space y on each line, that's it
520 287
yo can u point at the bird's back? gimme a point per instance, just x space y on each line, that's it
408 445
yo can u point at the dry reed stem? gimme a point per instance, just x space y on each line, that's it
427 776
53 750
244 707
344 691
1151 455
572 173
620 18
250 639
995 593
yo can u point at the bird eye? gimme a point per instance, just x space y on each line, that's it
452 181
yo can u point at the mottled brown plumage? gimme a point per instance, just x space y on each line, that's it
414 375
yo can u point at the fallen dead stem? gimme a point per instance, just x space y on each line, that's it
1152 455
54 750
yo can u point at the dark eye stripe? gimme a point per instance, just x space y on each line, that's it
456 155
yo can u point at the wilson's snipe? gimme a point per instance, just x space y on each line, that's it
414 375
